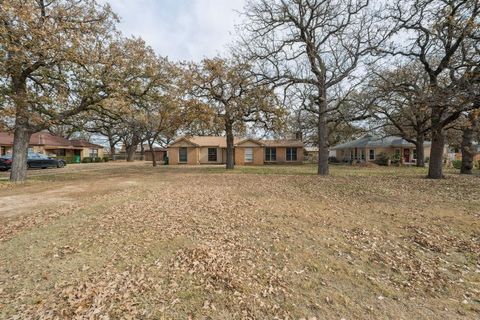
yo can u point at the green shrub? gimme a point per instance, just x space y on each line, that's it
395 158
87 160
457 164
97 159
382 159
106 159
427 159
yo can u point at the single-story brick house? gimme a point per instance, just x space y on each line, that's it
369 147
213 150
54 146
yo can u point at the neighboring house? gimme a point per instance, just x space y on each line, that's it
369 147
143 153
213 150
54 146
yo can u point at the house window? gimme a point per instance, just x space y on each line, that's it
182 155
362 154
93 153
352 154
212 154
248 155
372 154
3 151
270 154
61 152
414 154
291 154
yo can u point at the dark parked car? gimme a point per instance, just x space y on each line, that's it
34 160
5 162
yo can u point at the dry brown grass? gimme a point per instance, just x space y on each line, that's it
177 243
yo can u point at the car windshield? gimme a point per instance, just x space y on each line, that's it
37 156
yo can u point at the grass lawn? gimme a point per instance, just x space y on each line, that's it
115 240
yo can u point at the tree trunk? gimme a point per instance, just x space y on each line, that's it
20 151
468 150
131 152
22 132
435 166
112 144
142 151
323 168
420 151
154 157
230 159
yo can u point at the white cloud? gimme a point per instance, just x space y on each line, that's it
180 29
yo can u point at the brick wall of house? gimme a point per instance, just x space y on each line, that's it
258 156
240 156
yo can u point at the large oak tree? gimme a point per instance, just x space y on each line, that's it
399 105
51 58
442 37
318 44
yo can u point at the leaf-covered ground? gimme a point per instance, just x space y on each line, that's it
130 241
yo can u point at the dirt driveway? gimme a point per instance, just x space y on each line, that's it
65 186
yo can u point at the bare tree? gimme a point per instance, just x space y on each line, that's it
441 36
346 111
399 103
320 44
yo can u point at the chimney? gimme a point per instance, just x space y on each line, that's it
299 135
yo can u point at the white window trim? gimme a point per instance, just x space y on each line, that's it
286 154
271 148
245 155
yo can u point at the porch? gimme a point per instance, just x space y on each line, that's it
404 155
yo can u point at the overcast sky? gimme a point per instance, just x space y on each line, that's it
180 29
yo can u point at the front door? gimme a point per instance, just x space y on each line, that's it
406 155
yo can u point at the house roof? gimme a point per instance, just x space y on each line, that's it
85 144
370 141
6 139
44 138
221 142
255 141
206 141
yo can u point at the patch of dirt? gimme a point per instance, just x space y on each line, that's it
13 205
